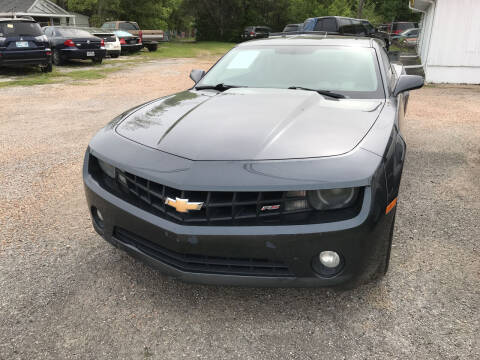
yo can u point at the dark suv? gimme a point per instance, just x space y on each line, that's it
22 43
345 26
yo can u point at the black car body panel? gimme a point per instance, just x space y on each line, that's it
23 43
304 125
161 149
81 47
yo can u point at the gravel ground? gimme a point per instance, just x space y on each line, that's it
67 294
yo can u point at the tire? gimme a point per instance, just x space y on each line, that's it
152 47
114 56
57 58
48 68
97 60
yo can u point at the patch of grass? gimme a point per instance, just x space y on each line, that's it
176 49
36 78
84 75
32 80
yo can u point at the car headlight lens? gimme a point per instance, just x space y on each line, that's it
330 199
108 169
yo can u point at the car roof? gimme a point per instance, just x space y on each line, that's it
312 39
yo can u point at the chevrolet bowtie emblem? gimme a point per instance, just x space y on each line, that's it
182 205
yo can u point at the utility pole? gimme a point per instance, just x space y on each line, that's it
361 3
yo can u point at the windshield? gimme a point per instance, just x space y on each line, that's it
20 29
73 33
352 72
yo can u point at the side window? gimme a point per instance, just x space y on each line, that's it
359 29
388 69
346 26
328 24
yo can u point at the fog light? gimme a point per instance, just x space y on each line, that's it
97 217
328 264
329 259
99 214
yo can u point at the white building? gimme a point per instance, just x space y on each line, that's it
44 11
449 43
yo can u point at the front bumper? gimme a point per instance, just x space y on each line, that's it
361 241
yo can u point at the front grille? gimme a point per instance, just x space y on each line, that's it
220 208
203 263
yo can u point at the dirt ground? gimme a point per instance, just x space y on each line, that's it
67 294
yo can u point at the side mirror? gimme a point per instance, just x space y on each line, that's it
197 75
408 82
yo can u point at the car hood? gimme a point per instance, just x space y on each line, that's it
251 124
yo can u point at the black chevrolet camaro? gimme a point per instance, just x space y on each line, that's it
281 167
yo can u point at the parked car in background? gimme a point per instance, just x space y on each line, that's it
345 26
149 38
410 33
409 42
292 28
74 43
256 32
22 43
129 42
400 26
112 42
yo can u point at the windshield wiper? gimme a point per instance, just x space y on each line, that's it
218 87
321 92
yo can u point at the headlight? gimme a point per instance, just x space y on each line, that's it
108 169
331 199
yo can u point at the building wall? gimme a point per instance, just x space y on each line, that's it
450 44
80 20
